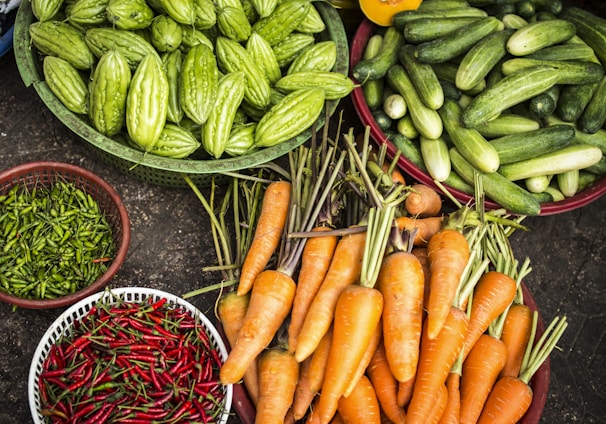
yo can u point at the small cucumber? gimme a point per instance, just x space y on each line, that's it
514 21
427 29
526 145
597 139
395 106
400 19
568 182
593 117
511 90
590 27
573 100
429 5
373 89
537 184
423 78
426 120
506 193
539 34
468 141
567 51
544 104
457 42
377 66
507 123
436 157
569 71
481 58
574 156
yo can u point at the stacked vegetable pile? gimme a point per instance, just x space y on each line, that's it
358 297
514 90
169 77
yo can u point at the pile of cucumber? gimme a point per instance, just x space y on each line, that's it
511 90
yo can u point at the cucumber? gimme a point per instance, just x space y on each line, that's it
506 193
568 51
593 117
395 106
383 121
573 100
447 71
426 120
377 66
511 90
544 104
507 123
409 149
568 182
423 77
525 8
436 158
400 19
406 127
529 144
429 5
373 89
457 42
427 29
597 139
586 179
539 34
537 184
590 27
481 58
574 156
569 71
551 6
468 141
514 21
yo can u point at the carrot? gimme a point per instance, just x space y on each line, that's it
404 392
386 385
452 411
270 302
315 260
439 406
421 253
425 227
436 358
268 231
396 176
516 335
511 396
493 293
278 375
366 358
231 310
344 270
423 201
357 314
448 253
362 405
401 281
480 371
311 376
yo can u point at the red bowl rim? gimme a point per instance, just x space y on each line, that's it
122 247
360 38
245 408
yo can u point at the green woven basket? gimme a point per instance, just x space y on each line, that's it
151 168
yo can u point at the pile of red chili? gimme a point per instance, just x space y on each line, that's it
144 361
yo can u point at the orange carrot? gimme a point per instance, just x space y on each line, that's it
516 335
270 302
448 253
508 401
401 281
437 356
405 392
425 227
315 260
357 314
480 371
423 201
366 358
493 293
278 375
311 376
421 253
452 411
386 385
396 176
510 396
268 231
231 309
439 406
344 270
362 405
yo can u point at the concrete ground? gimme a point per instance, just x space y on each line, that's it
170 246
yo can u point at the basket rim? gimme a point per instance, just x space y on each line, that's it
121 249
77 311
26 64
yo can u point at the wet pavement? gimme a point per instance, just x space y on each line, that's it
170 245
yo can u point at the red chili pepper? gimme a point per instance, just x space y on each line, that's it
83 411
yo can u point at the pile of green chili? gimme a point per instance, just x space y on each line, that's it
147 361
53 240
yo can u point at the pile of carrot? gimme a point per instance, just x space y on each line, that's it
359 300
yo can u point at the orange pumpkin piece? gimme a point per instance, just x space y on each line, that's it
380 12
